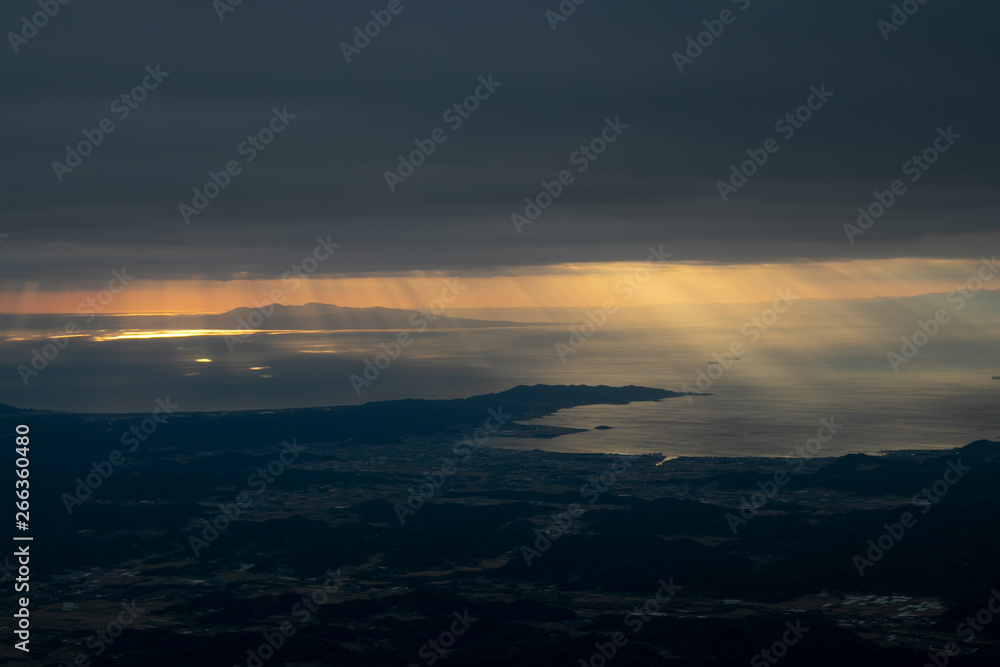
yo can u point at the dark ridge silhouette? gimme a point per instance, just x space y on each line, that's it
371 422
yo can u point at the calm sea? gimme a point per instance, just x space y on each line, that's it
769 401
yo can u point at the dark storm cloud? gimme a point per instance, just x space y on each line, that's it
323 175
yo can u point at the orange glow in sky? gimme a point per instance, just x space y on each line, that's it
584 285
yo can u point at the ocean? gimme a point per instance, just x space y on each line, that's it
803 369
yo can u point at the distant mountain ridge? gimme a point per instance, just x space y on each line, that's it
311 316
326 317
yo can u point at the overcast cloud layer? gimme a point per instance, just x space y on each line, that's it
324 175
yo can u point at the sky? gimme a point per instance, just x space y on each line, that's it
547 88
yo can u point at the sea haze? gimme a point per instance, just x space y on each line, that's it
820 360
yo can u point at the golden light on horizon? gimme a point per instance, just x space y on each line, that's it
169 333
570 285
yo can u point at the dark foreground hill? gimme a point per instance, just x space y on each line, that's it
379 549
